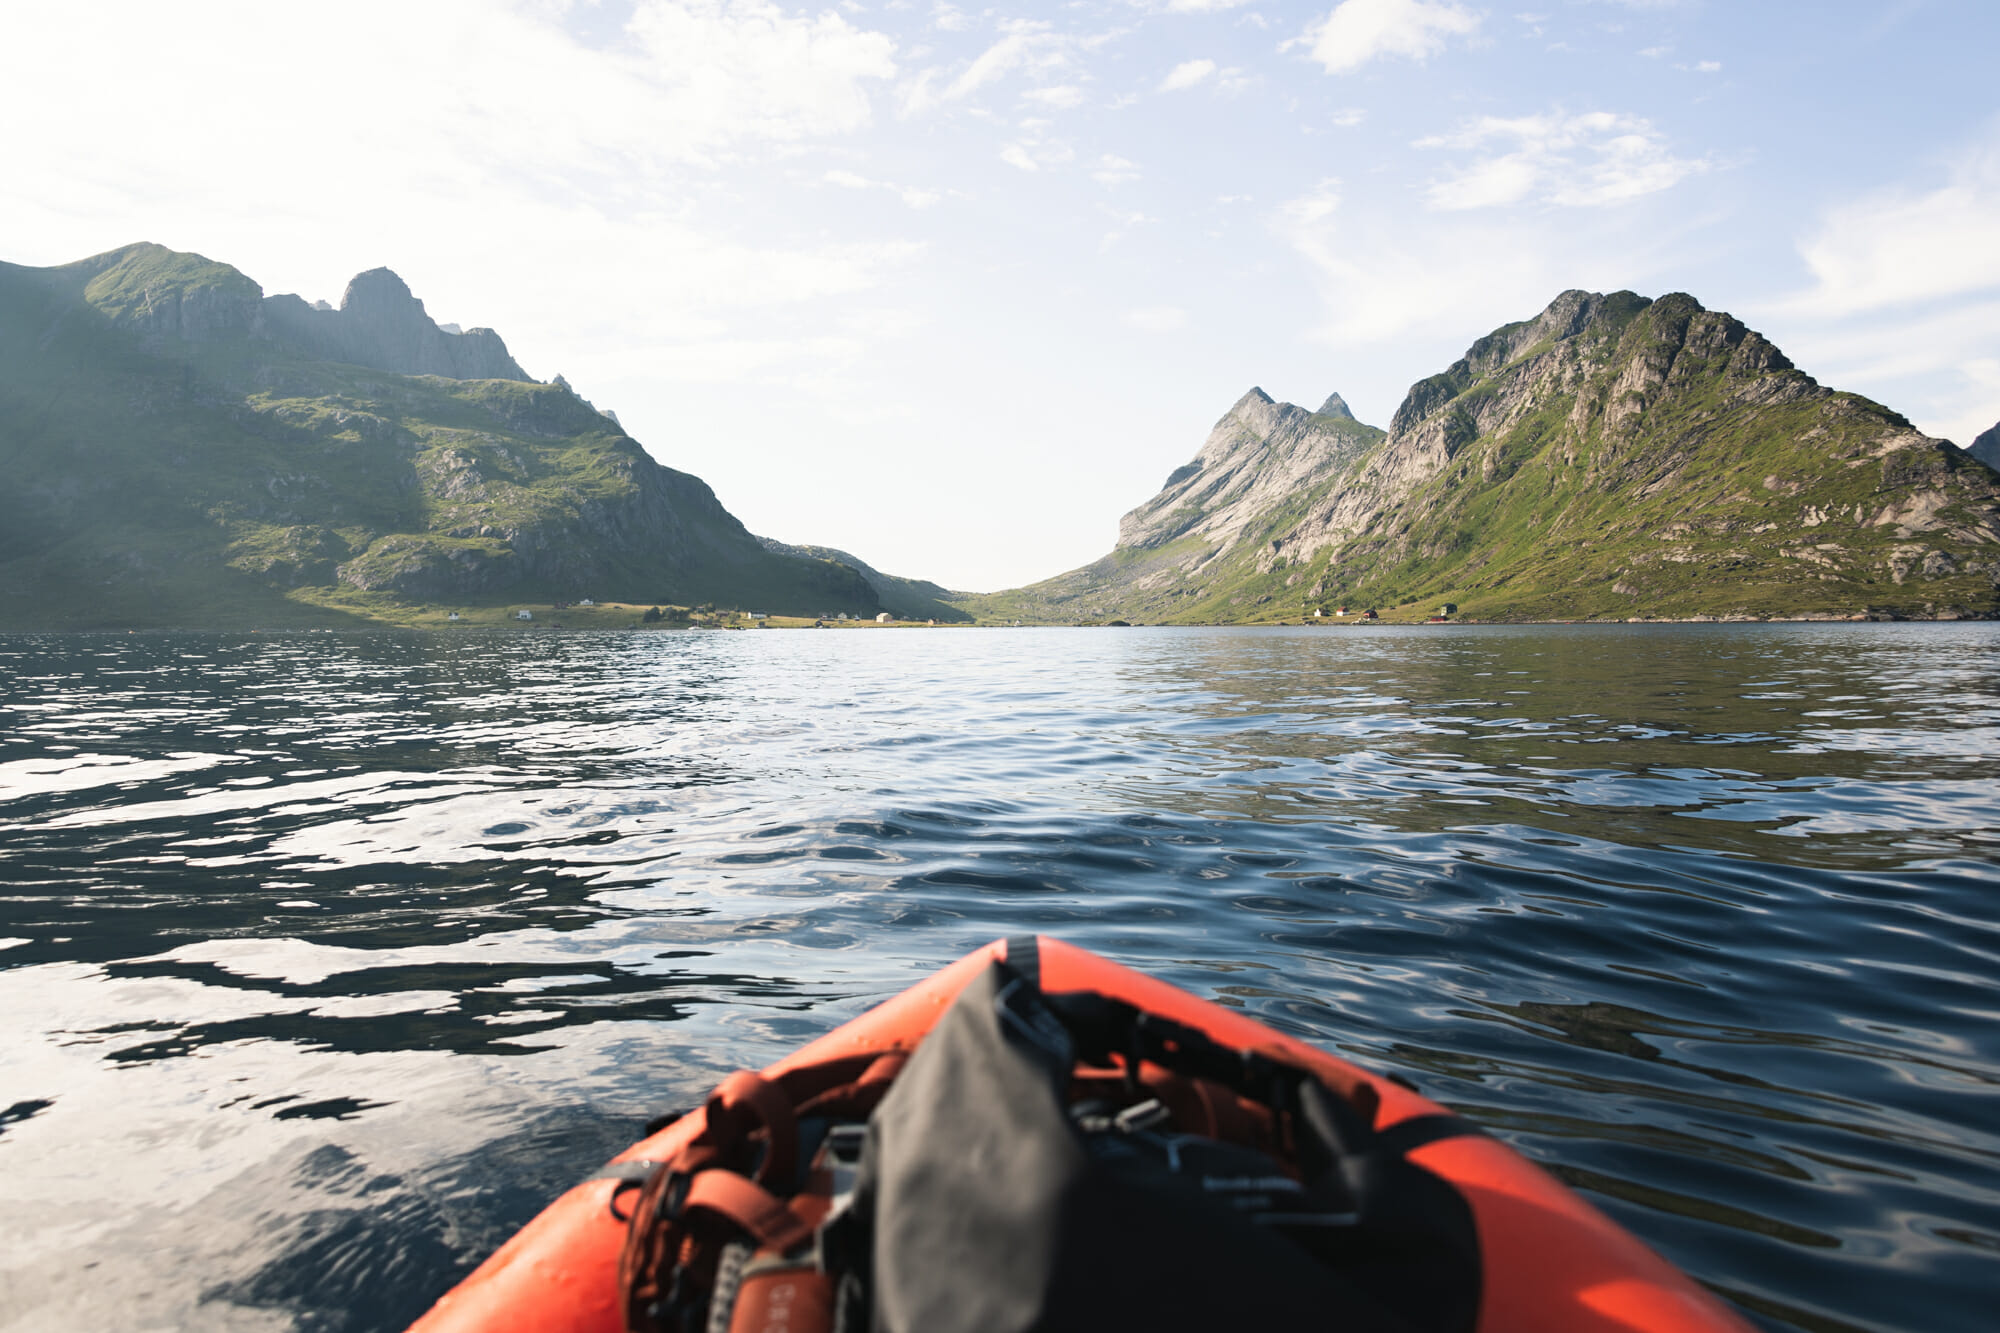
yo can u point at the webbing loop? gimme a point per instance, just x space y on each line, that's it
749 1205
746 1101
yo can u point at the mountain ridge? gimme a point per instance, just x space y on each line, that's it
905 598
177 456
1592 461
1986 446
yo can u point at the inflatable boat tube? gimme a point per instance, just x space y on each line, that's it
1551 1263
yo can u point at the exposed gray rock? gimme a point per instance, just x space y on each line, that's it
380 324
1987 447
1259 453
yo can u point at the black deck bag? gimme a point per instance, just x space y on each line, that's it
987 1203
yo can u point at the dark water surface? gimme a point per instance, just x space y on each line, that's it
329 958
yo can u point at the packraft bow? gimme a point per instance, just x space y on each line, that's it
1037 1139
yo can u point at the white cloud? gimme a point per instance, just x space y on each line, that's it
1348 117
1014 155
749 68
1025 44
996 61
1488 184
1937 364
478 89
1587 160
1121 223
1357 31
1061 96
1186 75
1900 246
1231 80
1158 319
914 196
484 138
1708 67
1114 170
1385 276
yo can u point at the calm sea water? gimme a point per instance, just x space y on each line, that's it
328 959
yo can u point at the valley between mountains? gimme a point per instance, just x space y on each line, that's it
184 451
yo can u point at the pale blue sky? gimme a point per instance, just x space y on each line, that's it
953 288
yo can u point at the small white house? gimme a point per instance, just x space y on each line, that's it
524 615
882 618
452 616
586 602
755 615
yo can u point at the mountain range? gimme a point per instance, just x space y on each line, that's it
1614 457
183 450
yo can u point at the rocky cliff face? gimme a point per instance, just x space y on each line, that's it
380 324
1261 455
166 297
1612 457
1262 467
178 458
1986 448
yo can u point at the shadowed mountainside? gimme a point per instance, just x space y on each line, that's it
1986 446
181 450
907 599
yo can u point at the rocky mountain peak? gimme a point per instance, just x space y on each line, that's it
1256 411
380 293
167 296
1336 406
381 323
1258 451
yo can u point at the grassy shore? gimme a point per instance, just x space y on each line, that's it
328 608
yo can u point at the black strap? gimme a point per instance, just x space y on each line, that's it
631 1175
1406 1136
1024 956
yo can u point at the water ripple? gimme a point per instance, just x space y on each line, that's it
348 950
